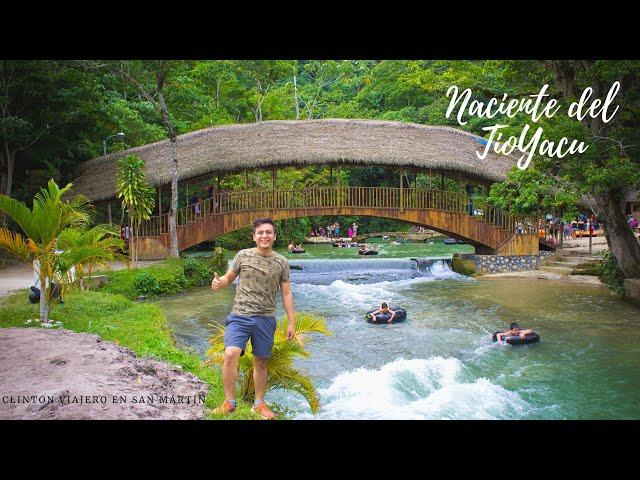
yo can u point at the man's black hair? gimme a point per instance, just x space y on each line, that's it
262 221
385 305
513 325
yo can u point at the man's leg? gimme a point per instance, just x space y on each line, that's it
236 334
230 371
262 338
260 375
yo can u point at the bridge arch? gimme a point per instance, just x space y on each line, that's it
442 211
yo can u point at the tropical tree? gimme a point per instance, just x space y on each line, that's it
136 194
87 249
41 225
282 375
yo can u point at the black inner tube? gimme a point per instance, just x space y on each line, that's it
516 340
401 315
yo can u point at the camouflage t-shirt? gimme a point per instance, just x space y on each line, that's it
259 279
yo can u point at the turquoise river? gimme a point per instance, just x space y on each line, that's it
441 362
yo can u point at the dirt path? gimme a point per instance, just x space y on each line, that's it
60 374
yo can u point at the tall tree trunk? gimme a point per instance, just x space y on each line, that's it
171 133
622 242
295 96
608 206
43 305
10 162
44 308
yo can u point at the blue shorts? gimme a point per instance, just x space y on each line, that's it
260 329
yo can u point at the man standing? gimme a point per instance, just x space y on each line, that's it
262 271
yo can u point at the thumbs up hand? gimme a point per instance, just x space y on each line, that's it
216 283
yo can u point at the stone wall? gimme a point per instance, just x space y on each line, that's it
499 263
632 290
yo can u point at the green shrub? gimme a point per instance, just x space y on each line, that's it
463 266
589 268
172 283
197 272
610 274
218 262
146 284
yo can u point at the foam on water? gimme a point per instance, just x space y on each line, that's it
432 388
318 272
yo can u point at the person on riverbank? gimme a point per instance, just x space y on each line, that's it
514 329
262 272
384 309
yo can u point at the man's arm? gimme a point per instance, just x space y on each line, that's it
287 301
223 282
393 314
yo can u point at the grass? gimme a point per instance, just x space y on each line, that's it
140 326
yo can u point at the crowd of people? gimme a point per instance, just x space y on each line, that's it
551 228
333 231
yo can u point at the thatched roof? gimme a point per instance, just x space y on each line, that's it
232 148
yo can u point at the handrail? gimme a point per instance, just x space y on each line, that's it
337 196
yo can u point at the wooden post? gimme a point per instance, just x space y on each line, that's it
245 179
338 185
460 209
274 181
441 180
401 190
159 200
109 212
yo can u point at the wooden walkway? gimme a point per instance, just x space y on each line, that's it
489 229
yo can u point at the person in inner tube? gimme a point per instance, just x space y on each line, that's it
514 329
384 308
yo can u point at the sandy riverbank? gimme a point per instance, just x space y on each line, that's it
579 247
59 374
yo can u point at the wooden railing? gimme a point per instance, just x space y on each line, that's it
380 198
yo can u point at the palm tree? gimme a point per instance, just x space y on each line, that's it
282 375
87 249
136 194
41 226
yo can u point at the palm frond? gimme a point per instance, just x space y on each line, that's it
19 212
15 244
297 382
282 375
